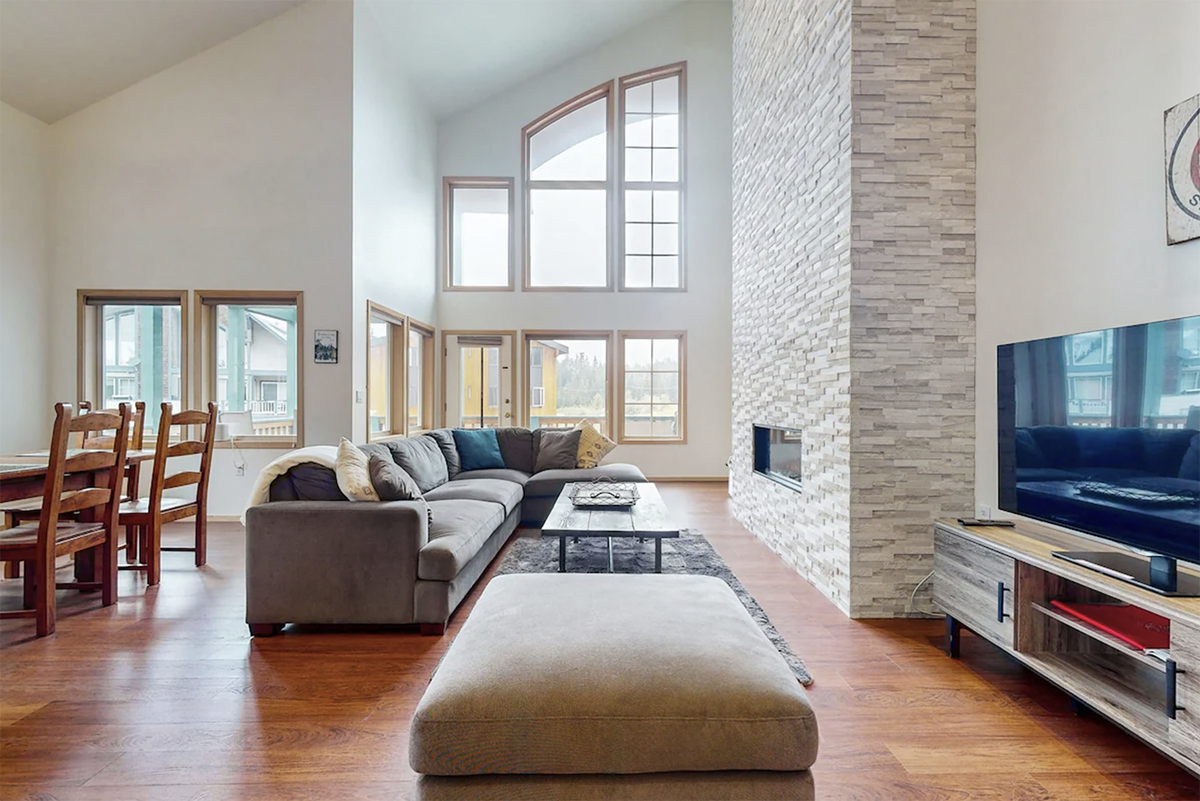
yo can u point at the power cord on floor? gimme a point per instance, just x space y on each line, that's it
912 599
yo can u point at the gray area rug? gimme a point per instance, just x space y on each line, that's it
689 554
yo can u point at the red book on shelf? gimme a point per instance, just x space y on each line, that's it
1139 628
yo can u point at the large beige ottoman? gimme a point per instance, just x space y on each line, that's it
560 675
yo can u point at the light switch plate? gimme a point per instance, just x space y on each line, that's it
358 396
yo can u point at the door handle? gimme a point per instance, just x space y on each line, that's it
1000 613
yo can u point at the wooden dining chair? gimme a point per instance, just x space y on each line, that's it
143 518
28 510
39 544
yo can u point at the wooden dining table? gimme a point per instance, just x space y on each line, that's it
23 475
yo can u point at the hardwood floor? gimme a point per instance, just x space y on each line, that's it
166 697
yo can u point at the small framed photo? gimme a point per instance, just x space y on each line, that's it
325 347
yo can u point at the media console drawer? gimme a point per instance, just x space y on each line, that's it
1184 729
974 585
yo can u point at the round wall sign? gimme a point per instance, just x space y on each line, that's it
1182 140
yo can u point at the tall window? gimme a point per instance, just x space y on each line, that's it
568 378
134 350
567 179
591 181
385 368
477 214
652 178
420 377
253 366
653 386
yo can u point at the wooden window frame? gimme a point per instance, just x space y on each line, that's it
624 84
621 437
462 332
397 370
428 373
449 184
89 330
205 340
567 335
605 91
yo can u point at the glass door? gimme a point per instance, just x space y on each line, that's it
479 382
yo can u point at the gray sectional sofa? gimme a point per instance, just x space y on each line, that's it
312 556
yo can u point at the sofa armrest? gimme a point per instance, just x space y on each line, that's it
333 561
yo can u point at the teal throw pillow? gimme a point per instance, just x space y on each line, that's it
479 450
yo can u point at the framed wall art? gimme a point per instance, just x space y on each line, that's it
325 346
1182 139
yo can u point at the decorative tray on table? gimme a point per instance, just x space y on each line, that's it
604 493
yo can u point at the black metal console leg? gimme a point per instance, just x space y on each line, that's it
953 636
562 554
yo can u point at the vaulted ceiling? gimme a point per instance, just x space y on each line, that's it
459 52
60 56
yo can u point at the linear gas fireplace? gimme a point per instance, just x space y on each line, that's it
777 454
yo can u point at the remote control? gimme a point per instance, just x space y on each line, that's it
972 521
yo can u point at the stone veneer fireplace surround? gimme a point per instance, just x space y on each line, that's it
854 283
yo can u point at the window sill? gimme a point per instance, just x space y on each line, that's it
652 441
384 438
257 444
449 288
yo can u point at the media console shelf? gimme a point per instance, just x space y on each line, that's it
999 582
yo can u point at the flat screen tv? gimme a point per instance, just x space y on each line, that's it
1100 432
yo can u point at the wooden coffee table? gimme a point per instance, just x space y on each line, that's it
647 519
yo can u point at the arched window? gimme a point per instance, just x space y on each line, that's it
568 172
604 190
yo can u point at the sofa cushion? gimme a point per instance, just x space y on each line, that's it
459 529
445 440
556 449
602 674
353 477
593 446
515 476
390 480
550 482
506 493
478 449
1058 445
421 457
1029 454
1163 450
1189 468
1110 447
307 482
516 446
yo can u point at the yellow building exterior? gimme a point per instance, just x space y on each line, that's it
484 384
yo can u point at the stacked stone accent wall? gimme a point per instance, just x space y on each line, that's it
791 275
853 282
912 329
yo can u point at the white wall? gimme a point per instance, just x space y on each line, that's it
1070 204
25 412
395 179
486 141
231 170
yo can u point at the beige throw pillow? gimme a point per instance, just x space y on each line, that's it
353 472
593 446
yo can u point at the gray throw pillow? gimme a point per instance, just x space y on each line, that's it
391 482
556 450
421 458
445 440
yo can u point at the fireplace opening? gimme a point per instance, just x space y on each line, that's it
777 454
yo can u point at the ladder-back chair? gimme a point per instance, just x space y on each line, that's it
143 518
39 544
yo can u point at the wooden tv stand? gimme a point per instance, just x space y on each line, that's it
998 582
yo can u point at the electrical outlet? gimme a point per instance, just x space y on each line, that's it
240 469
359 396
985 512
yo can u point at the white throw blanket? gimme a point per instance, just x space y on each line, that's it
324 455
